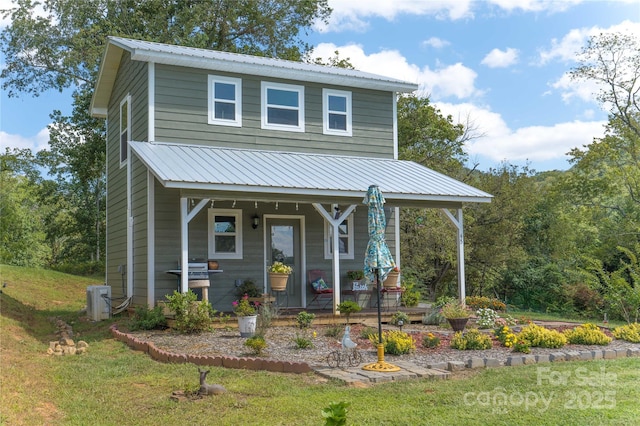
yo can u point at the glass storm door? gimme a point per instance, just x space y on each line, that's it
284 246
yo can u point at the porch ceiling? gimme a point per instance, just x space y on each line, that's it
290 176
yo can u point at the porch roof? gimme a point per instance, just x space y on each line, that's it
292 176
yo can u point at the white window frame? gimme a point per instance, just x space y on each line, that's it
325 112
124 148
328 240
237 122
264 87
212 213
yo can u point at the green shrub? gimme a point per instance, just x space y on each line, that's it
629 332
542 337
505 336
482 302
302 342
433 318
399 316
522 346
410 296
266 313
147 319
333 331
471 340
256 343
336 413
368 331
487 318
587 334
191 316
348 307
395 342
304 319
430 340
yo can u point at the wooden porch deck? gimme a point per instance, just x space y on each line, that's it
368 316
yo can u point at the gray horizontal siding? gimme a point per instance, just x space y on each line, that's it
181 116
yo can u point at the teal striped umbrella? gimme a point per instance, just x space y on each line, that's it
377 265
378 259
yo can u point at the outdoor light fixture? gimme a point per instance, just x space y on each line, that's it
255 221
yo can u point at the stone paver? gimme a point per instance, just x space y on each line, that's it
408 371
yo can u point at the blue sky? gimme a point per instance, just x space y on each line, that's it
500 65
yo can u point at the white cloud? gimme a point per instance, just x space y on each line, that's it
352 14
500 58
35 143
452 80
435 42
567 49
572 43
570 89
535 5
498 142
389 63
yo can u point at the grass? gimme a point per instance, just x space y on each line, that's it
549 316
112 385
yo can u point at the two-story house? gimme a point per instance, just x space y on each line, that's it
248 160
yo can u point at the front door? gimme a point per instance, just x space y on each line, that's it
283 245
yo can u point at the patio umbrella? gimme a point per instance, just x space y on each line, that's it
378 263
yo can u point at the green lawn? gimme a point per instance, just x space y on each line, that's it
112 385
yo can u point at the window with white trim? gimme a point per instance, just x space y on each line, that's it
282 107
125 129
225 101
336 112
345 238
225 233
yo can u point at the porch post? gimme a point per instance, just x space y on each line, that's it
184 244
458 223
334 223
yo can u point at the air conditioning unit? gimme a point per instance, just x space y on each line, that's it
98 302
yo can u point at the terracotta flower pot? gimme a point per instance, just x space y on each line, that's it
392 280
278 281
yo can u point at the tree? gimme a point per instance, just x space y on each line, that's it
605 176
22 231
428 242
62 50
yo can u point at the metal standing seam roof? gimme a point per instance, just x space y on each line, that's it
184 166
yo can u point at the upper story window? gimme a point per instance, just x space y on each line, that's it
225 233
125 129
336 111
282 107
225 101
345 239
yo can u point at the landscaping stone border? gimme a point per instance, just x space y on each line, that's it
355 375
246 363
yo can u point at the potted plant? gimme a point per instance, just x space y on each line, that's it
279 275
392 278
249 288
355 275
456 313
247 318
